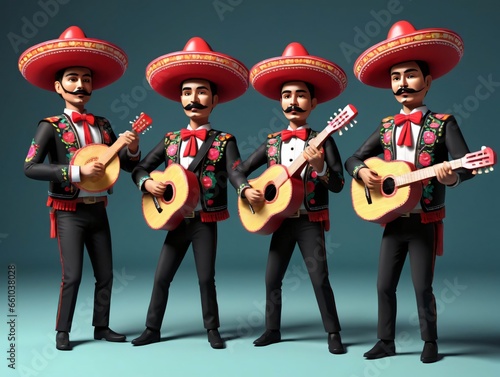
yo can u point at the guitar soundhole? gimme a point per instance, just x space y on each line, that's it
168 195
388 186
270 193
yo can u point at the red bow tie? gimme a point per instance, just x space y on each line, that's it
406 121
301 134
192 145
86 119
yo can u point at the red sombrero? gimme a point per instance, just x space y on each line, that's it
440 48
268 76
40 63
197 61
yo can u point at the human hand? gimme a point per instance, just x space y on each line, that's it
445 174
370 178
155 188
131 139
315 157
94 170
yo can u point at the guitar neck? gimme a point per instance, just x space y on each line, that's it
299 163
422 174
112 151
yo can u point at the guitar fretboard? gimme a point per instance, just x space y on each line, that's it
422 174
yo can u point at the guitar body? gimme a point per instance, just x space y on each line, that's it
390 201
180 198
92 153
281 202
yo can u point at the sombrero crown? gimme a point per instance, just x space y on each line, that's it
442 49
40 63
268 76
197 61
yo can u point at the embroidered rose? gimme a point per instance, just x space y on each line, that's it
216 143
210 202
387 155
107 138
425 159
62 126
213 154
309 187
272 141
387 137
429 137
32 151
69 137
272 162
312 201
434 125
172 150
206 182
314 174
386 125
210 168
272 151
439 116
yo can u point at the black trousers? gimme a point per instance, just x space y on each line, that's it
203 236
87 226
407 235
311 240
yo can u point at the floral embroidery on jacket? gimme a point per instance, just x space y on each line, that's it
32 151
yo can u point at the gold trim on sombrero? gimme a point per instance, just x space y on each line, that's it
68 46
429 37
293 63
196 58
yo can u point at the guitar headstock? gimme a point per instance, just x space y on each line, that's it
141 123
482 161
342 118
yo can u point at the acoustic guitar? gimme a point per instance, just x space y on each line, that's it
107 155
178 201
282 187
401 187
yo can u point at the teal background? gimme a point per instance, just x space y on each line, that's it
466 281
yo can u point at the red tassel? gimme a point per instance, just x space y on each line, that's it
210 217
53 224
322 215
433 216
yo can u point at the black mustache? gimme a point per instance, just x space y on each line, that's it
406 90
195 105
298 109
76 92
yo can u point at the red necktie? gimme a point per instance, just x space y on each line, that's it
192 145
86 119
301 134
406 121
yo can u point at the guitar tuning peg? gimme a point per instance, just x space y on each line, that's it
340 133
491 168
479 171
339 110
346 128
355 121
483 148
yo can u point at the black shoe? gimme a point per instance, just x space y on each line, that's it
62 341
381 349
335 343
147 337
429 353
269 337
107 334
214 339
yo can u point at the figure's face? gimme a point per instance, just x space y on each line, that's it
409 84
197 99
75 87
296 102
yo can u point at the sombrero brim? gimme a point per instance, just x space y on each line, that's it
442 49
328 79
40 63
166 73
